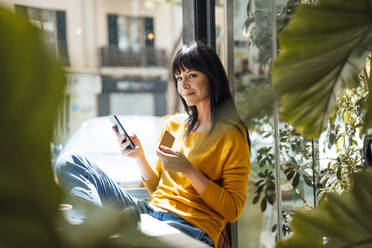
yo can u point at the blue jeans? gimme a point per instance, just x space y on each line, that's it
82 178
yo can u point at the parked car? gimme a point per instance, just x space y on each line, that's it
96 139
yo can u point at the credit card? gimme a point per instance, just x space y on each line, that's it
167 140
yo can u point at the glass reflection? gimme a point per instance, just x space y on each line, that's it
254 99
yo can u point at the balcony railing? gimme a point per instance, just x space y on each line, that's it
112 56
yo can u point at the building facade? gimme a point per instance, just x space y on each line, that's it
115 52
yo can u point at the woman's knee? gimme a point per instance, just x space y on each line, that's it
68 162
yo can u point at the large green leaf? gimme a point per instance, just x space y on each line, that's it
339 221
111 228
32 84
323 49
255 103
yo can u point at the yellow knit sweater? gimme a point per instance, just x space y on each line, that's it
223 157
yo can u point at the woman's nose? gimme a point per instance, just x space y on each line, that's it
185 84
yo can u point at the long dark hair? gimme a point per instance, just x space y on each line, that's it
199 57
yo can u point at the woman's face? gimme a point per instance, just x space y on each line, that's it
193 86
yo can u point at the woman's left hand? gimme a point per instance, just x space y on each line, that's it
171 160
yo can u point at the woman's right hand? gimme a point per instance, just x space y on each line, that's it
136 152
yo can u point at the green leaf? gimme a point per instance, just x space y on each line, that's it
32 85
323 49
291 174
346 219
296 180
259 189
338 173
248 22
293 159
288 170
263 204
273 229
293 147
255 103
308 181
332 140
270 200
267 135
259 157
259 182
249 8
270 161
262 163
103 223
261 150
271 186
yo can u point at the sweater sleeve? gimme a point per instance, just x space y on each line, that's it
229 198
153 183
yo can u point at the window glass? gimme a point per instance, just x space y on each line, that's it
123 33
136 27
116 54
52 23
49 28
34 16
220 29
134 34
253 56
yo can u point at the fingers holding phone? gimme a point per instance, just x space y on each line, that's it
128 147
126 150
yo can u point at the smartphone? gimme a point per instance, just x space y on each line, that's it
115 121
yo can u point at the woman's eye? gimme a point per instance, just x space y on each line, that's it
178 79
192 75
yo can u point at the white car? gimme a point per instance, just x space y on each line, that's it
96 139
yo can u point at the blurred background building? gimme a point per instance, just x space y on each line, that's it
116 54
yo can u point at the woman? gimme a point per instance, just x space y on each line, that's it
200 183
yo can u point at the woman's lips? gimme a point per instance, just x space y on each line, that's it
189 94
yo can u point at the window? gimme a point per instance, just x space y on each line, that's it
130 34
53 26
131 42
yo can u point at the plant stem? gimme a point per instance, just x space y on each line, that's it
302 198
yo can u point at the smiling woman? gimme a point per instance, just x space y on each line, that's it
193 86
197 69
199 184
